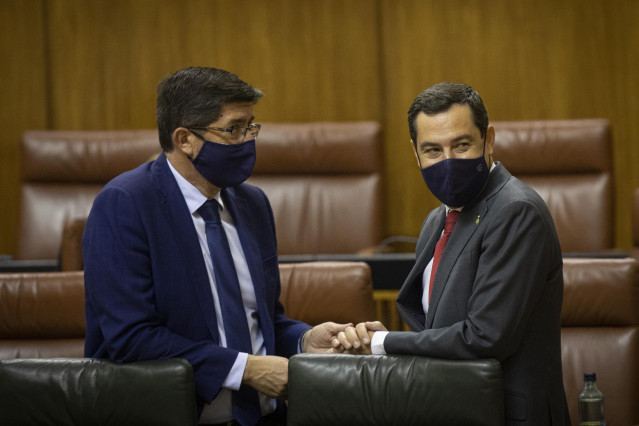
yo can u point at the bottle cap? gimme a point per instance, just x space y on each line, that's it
590 377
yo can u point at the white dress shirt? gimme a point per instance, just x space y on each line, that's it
220 409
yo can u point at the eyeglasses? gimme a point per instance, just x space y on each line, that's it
236 132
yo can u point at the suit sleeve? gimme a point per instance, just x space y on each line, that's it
123 323
511 274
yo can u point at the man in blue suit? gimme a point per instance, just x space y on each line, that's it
153 287
487 281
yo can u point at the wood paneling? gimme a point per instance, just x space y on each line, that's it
92 64
24 99
316 62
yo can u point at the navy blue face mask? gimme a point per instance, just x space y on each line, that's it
225 165
456 181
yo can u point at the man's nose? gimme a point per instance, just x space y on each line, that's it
448 153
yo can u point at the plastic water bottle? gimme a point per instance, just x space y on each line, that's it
591 403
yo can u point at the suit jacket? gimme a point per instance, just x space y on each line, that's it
497 294
148 295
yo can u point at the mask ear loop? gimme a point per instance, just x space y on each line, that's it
419 160
483 152
199 136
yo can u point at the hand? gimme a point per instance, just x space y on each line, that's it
267 374
357 340
319 339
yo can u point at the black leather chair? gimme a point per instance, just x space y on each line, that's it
393 390
96 392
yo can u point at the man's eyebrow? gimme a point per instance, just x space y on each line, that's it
461 137
427 144
240 121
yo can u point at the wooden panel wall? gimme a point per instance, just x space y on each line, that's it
23 99
91 64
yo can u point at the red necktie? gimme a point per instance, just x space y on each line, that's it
451 219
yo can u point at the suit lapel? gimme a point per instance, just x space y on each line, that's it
185 236
245 229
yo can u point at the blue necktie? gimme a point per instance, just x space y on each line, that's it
246 404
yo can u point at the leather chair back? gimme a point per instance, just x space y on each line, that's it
62 172
600 334
54 392
569 163
316 292
42 315
324 182
344 390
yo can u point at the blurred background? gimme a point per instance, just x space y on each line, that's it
93 65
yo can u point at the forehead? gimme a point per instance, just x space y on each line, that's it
238 111
457 119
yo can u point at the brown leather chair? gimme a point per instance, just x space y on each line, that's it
316 292
62 172
71 246
42 314
569 163
324 182
600 334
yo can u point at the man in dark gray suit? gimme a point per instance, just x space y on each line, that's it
494 289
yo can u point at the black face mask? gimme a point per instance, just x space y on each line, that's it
225 165
456 181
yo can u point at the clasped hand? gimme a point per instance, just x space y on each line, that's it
357 340
269 374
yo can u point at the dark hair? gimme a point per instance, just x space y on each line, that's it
441 97
194 97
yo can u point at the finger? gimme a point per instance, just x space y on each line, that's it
343 340
338 350
362 333
375 326
335 328
353 338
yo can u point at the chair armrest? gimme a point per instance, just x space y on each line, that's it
393 389
96 392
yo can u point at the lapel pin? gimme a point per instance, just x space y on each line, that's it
477 220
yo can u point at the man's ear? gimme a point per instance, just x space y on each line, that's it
414 149
490 139
183 141
490 145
